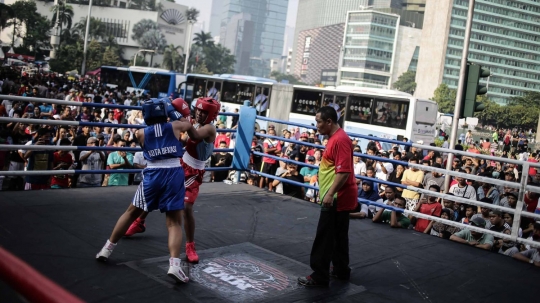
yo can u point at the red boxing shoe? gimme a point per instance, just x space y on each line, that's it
191 254
136 227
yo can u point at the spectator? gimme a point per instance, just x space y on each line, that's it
221 159
396 219
139 162
39 160
235 120
222 119
442 230
434 178
428 206
279 171
288 188
412 177
91 160
62 161
119 160
499 225
396 176
462 189
474 238
271 147
470 211
366 192
487 190
308 172
484 212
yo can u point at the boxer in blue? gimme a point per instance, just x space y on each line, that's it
162 186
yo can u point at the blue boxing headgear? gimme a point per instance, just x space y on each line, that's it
154 110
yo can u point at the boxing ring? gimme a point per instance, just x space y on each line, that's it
252 244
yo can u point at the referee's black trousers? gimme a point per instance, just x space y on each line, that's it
331 245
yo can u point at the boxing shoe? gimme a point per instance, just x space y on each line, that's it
191 254
176 272
136 227
309 282
104 254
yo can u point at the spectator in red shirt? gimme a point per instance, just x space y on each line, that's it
62 160
428 206
222 137
271 147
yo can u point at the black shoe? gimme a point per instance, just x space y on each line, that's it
309 282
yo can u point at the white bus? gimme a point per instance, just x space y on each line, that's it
365 111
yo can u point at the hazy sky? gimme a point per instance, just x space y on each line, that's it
205 7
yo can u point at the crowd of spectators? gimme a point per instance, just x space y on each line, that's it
82 90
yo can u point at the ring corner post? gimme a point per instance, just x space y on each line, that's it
244 136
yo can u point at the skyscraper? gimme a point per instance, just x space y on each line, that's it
504 38
254 32
215 19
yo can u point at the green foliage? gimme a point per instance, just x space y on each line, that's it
110 57
172 60
192 14
96 31
203 39
201 69
445 98
142 27
65 14
406 82
218 59
6 13
29 25
291 78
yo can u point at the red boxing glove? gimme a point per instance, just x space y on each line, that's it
182 107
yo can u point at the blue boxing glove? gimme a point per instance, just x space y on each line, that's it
172 113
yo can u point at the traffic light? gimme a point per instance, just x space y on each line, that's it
472 89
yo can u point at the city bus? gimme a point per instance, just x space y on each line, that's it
368 111
231 90
158 83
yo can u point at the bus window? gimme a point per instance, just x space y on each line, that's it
261 100
306 102
338 103
199 89
158 86
391 113
214 89
360 109
245 92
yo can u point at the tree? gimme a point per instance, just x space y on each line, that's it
405 82
65 15
445 98
192 14
6 13
29 25
142 27
287 77
110 57
155 40
172 60
96 31
201 69
219 59
203 39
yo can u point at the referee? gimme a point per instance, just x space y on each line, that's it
338 196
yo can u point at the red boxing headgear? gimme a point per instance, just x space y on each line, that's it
209 105
182 107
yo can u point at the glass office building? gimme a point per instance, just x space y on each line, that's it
254 32
505 38
368 49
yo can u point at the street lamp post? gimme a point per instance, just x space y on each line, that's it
188 44
83 68
55 38
141 50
